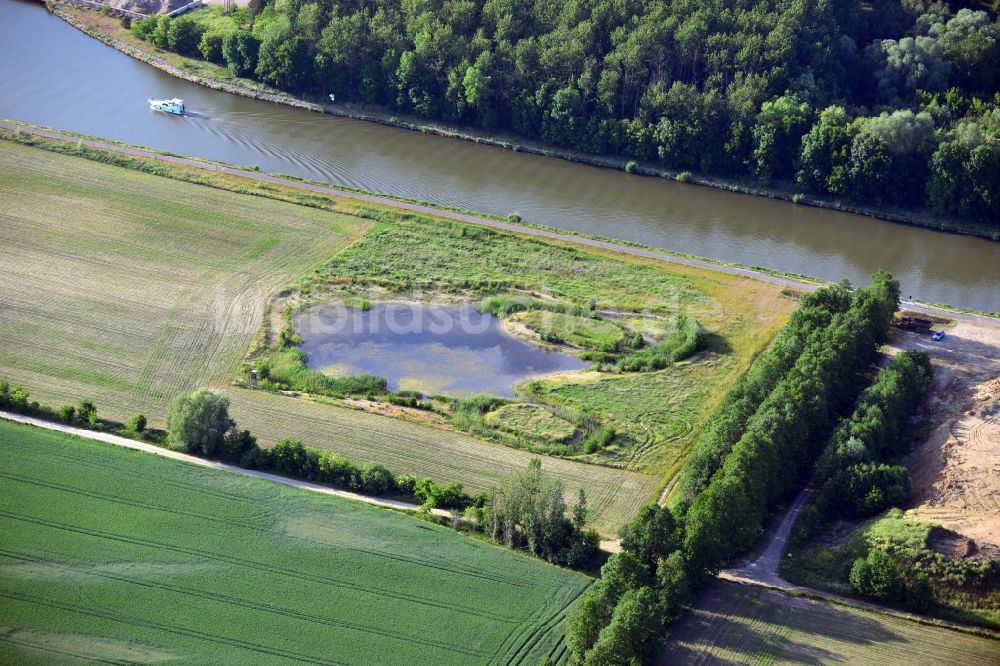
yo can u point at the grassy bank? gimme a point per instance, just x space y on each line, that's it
144 558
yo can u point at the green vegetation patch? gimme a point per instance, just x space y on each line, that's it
105 547
965 585
583 332
532 421
404 252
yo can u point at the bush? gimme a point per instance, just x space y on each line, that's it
338 471
143 28
375 479
86 413
210 47
238 445
684 339
136 424
877 577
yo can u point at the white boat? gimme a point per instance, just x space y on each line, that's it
174 106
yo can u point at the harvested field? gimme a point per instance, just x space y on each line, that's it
126 288
613 496
737 624
147 560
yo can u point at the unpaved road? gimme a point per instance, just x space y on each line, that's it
461 217
762 568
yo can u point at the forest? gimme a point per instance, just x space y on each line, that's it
892 103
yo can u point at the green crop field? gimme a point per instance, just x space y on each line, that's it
737 624
111 554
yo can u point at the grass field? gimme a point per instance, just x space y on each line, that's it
736 624
110 554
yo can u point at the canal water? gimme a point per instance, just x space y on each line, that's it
54 75
452 350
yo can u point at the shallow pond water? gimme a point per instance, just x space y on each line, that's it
453 350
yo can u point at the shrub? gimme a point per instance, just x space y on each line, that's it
877 577
210 47
66 414
86 413
291 457
682 341
237 445
338 471
136 424
630 166
375 479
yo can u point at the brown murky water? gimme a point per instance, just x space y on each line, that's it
54 75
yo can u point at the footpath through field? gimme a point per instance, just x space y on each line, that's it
455 215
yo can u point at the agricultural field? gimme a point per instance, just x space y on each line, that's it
613 495
111 554
126 288
738 624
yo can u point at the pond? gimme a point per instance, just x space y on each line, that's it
451 350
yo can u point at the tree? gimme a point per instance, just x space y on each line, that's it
528 510
777 137
901 68
239 48
183 36
869 169
825 152
635 633
651 535
210 47
197 423
620 573
971 43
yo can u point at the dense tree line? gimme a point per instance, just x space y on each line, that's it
724 429
668 552
889 104
852 476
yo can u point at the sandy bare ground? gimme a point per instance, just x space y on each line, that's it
956 471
